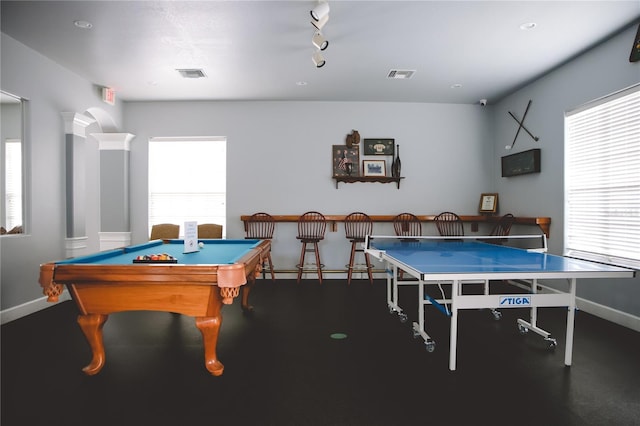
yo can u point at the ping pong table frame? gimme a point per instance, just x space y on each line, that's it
460 301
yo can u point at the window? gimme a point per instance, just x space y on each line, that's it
602 179
187 181
13 168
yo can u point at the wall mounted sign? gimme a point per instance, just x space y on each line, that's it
379 146
521 163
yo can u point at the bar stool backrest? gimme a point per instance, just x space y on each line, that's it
357 226
407 225
449 224
311 226
503 227
260 226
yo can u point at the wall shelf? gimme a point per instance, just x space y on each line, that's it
380 179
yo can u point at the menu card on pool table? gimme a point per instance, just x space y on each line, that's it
190 237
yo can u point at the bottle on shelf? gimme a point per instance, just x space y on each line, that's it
396 166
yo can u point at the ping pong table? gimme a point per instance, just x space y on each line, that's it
459 262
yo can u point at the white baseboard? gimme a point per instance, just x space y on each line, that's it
28 308
605 312
601 311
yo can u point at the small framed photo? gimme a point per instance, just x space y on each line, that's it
488 203
374 167
378 146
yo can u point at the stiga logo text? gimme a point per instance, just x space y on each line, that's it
515 301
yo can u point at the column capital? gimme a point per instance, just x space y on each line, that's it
114 141
76 124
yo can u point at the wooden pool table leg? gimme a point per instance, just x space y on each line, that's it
246 289
91 325
210 327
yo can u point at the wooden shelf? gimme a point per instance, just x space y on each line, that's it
544 223
380 179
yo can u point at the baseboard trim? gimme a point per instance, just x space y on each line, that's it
601 311
607 313
17 312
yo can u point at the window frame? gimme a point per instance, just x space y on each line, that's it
602 184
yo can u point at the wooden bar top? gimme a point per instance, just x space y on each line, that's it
542 222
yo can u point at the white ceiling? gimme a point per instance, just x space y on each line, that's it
261 50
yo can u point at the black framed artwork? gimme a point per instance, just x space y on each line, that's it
346 160
378 146
635 49
521 163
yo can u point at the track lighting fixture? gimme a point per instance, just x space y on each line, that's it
319 41
320 11
319 17
318 60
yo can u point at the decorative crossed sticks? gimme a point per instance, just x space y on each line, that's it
521 126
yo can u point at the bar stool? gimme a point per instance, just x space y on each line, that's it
357 226
260 226
311 228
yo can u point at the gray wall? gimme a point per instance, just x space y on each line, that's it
599 72
279 161
51 90
279 158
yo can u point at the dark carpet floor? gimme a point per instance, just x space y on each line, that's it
283 367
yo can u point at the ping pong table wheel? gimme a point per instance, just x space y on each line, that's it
430 346
403 317
497 315
551 343
522 329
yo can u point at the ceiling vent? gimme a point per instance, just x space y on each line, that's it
401 74
192 73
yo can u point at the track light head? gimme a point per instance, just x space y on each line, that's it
318 60
321 23
320 11
319 41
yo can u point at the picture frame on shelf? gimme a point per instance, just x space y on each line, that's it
376 168
488 203
346 160
378 146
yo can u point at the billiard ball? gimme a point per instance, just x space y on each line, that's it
201 244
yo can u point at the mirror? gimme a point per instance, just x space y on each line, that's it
12 164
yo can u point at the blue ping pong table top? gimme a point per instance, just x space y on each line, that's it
475 257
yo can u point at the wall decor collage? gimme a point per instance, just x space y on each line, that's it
346 158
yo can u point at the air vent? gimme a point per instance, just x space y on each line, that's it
192 73
401 74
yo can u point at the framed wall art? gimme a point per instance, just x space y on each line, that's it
374 168
346 160
378 146
488 203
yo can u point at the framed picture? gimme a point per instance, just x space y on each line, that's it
379 146
374 167
488 203
346 160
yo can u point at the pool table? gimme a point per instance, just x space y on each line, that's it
195 284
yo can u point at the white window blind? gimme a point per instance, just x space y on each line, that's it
187 181
602 180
